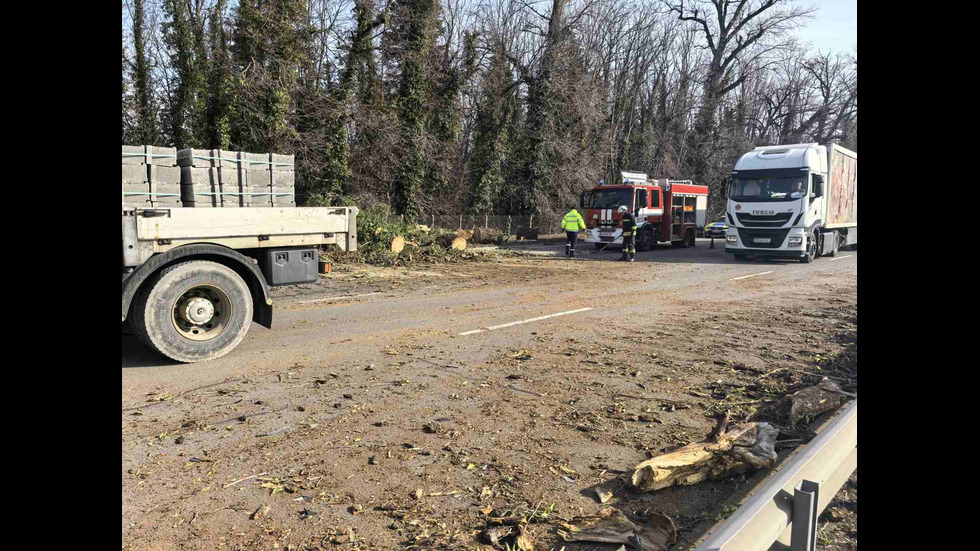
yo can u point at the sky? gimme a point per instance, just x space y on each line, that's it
834 26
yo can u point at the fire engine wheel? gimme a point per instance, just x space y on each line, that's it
193 311
645 243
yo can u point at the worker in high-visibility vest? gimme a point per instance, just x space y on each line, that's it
572 223
629 233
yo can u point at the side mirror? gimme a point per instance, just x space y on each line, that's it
724 187
817 185
581 200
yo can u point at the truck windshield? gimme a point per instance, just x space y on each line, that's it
768 189
610 199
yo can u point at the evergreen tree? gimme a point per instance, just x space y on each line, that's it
125 97
145 131
219 83
415 29
491 149
179 39
269 48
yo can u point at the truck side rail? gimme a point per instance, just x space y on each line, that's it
783 513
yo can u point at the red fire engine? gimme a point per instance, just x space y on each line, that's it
667 210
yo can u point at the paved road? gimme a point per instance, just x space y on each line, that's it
357 331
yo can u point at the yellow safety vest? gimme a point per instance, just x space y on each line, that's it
573 221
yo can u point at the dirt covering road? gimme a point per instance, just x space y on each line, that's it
364 420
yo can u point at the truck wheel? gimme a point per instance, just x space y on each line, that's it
645 242
193 311
811 248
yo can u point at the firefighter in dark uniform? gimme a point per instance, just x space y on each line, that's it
629 234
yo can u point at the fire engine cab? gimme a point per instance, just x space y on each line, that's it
666 210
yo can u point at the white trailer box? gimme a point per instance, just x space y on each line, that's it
842 188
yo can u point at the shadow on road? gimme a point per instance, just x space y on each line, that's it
701 253
134 354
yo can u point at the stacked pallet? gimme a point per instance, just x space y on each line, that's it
271 180
221 178
150 176
212 178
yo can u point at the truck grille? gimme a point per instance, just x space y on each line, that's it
776 238
763 221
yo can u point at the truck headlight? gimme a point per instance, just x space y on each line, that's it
731 239
795 240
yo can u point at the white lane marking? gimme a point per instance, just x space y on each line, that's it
842 257
337 298
539 318
751 275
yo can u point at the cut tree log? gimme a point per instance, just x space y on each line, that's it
814 400
745 447
451 241
485 235
612 526
397 244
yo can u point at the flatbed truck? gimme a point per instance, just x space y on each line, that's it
193 279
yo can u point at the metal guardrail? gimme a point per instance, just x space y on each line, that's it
783 513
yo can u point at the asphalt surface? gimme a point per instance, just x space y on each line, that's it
509 381
356 330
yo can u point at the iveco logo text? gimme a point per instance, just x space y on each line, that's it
763 212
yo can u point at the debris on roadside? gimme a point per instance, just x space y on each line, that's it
811 401
745 447
655 533
603 493
260 512
508 537
159 397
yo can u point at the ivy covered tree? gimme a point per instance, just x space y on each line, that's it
218 92
187 83
492 147
146 130
414 29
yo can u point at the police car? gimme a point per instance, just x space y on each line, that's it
716 229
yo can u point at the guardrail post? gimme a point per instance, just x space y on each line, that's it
804 529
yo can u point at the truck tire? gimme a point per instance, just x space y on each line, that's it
645 242
811 248
193 311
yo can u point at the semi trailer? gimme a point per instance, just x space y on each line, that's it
796 201
665 210
193 279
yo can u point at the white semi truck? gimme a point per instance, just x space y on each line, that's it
193 279
792 201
